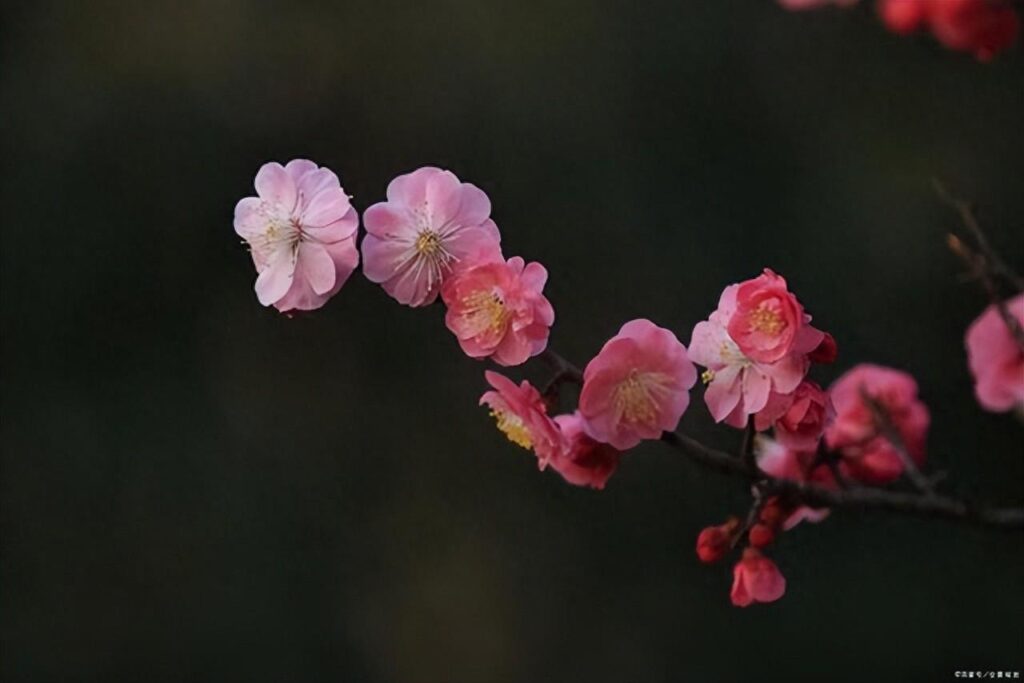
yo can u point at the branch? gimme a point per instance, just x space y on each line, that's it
884 425
854 497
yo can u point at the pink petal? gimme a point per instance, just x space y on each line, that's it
389 221
274 184
756 388
383 258
325 207
275 280
317 266
724 392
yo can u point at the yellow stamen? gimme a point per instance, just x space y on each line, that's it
764 319
428 242
708 376
633 399
513 428
488 305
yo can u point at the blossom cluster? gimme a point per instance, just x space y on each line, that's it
433 239
983 28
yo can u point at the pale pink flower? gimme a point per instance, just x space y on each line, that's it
756 579
301 232
768 321
775 459
995 359
738 385
521 415
869 456
583 462
430 224
497 310
799 418
637 387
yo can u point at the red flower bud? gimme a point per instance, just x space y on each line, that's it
761 535
826 351
713 543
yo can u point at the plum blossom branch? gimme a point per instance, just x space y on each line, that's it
983 264
884 424
853 497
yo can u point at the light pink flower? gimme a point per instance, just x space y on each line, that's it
868 455
775 459
738 385
497 310
521 415
995 359
756 579
430 224
768 321
637 387
583 462
301 232
799 418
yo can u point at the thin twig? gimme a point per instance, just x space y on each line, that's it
747 448
855 497
884 425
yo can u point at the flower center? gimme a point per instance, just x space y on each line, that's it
489 306
766 319
428 243
708 376
634 400
513 428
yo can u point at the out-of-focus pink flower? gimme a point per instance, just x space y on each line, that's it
995 359
583 462
904 16
714 542
799 418
869 456
497 310
430 224
781 462
768 321
637 387
982 27
521 415
814 4
738 385
301 232
756 579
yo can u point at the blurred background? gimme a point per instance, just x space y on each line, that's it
194 487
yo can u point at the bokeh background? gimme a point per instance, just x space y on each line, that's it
197 488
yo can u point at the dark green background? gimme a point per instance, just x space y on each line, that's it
196 488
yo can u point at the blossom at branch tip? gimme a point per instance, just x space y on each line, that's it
637 386
301 232
430 225
520 414
738 384
756 579
869 455
583 461
995 358
799 418
498 310
714 542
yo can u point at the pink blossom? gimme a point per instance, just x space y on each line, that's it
583 462
995 359
430 224
756 579
982 27
775 459
497 310
768 320
799 418
738 385
869 456
301 232
637 387
521 415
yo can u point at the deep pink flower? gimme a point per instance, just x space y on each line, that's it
868 455
301 232
781 462
738 385
756 579
768 320
982 27
497 310
799 418
995 359
521 415
430 224
637 387
583 462
904 16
